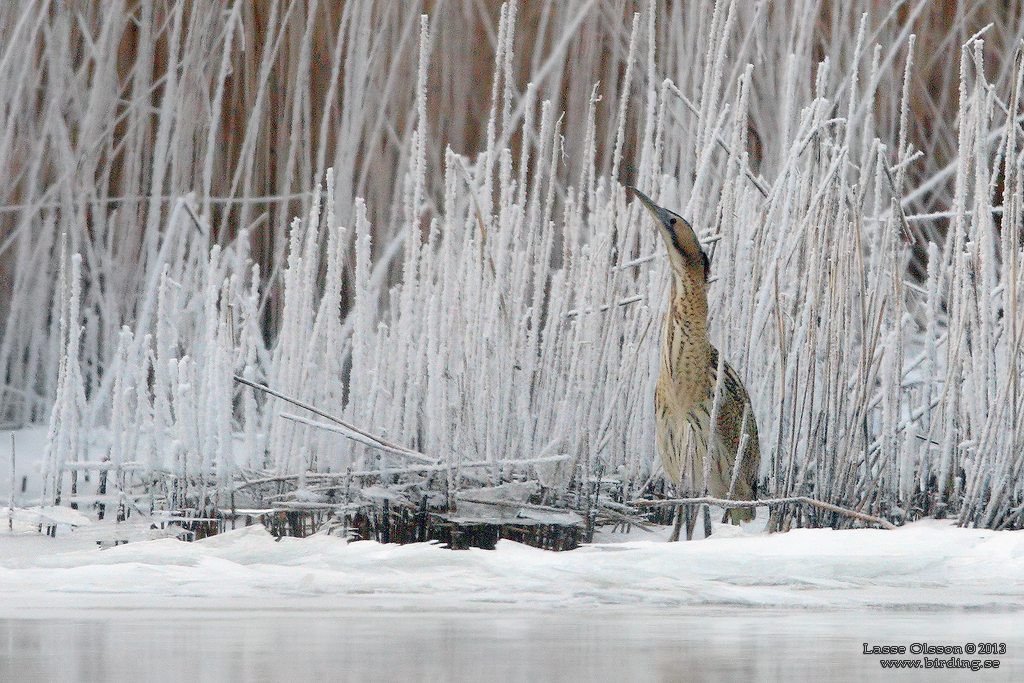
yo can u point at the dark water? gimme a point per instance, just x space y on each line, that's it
495 644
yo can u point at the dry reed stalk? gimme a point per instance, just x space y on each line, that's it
465 308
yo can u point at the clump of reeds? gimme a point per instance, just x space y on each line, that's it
505 306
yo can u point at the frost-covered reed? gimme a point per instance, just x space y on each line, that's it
507 304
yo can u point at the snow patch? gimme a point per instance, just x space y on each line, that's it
923 565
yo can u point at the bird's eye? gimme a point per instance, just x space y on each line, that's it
672 222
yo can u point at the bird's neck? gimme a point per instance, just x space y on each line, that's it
686 349
688 308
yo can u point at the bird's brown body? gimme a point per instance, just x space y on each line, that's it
684 397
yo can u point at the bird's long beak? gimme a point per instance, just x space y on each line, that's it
662 216
645 200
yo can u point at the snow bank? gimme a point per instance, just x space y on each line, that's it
927 564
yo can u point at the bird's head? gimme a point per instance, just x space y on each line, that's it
684 252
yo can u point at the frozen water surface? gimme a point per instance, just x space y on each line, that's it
379 642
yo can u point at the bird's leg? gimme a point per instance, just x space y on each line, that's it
774 518
678 522
691 521
677 525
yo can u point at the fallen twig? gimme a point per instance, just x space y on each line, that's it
723 503
625 518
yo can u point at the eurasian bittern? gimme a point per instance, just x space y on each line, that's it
684 397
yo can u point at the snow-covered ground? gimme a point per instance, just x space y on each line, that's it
928 564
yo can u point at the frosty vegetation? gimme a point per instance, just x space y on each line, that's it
499 310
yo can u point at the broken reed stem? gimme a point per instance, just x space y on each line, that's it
348 430
10 504
334 476
723 503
